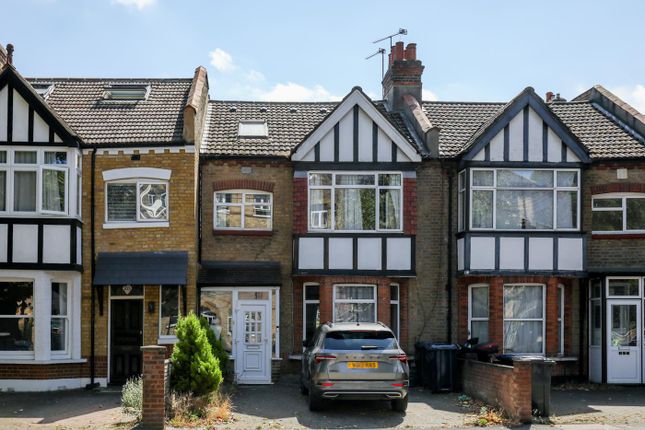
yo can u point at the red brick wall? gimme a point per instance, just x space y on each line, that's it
504 386
410 206
300 202
53 371
154 387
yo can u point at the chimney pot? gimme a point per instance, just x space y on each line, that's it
411 52
549 96
397 51
9 53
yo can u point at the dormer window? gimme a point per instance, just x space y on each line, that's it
43 89
253 128
128 93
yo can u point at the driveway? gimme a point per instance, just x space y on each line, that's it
74 409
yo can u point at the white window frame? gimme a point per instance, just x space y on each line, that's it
168 337
613 296
10 167
374 300
554 189
622 209
561 296
461 199
306 302
397 303
138 222
543 319
242 205
471 318
68 327
376 187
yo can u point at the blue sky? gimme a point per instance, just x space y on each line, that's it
286 50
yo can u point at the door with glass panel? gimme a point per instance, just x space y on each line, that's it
252 358
624 338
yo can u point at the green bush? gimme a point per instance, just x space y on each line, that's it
194 368
132 396
216 346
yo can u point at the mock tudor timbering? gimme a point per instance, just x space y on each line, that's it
520 223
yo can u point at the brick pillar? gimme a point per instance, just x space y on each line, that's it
462 310
383 301
496 311
522 380
404 288
154 388
551 321
326 300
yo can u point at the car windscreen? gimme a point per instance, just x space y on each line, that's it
359 340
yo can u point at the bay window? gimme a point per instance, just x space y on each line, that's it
354 303
355 201
243 210
478 312
524 319
136 201
524 199
59 318
618 213
35 181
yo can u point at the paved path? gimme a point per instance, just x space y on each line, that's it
74 409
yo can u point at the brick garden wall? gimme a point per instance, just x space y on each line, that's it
52 370
508 387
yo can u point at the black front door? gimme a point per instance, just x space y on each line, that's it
126 339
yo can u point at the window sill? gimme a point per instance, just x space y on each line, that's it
167 340
222 232
617 236
51 361
115 225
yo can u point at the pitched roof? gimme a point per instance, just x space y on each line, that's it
288 123
604 136
156 120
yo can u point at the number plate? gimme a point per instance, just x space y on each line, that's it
362 365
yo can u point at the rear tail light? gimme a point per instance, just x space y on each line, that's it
321 357
401 357
399 384
326 384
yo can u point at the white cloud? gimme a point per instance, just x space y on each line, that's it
221 60
634 95
292 92
139 4
255 76
428 96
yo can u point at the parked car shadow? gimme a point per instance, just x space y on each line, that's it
52 407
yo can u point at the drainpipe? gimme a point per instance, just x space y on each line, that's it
449 274
93 384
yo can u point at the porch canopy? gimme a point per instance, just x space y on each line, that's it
239 273
141 268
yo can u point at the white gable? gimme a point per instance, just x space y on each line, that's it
356 132
21 113
541 143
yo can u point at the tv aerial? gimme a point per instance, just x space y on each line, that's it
402 31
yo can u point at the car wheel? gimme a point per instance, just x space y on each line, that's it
315 402
400 405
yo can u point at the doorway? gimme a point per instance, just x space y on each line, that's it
126 339
253 358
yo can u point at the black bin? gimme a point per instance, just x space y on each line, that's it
439 366
419 357
541 386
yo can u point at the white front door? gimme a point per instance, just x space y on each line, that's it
252 341
624 338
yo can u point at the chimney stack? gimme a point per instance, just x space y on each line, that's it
10 53
403 76
549 96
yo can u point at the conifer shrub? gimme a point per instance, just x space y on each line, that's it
216 346
194 367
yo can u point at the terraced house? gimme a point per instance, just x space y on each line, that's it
126 203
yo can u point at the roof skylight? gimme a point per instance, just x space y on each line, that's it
126 92
253 128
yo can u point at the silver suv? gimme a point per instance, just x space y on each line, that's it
360 361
